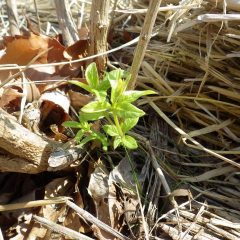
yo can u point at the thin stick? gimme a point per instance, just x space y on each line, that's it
89 217
13 17
60 229
37 14
1 235
66 23
144 39
31 204
145 226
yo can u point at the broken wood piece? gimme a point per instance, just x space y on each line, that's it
62 158
28 152
60 229
89 217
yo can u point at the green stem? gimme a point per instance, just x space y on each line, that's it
116 121
109 120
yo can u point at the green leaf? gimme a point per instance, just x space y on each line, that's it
79 135
96 107
92 75
131 96
102 138
129 142
111 130
92 116
114 75
118 86
82 85
104 85
101 95
86 140
127 110
128 124
117 141
71 124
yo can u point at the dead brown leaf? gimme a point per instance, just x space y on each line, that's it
28 47
76 51
122 200
54 107
8 95
78 99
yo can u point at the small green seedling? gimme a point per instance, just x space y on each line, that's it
116 110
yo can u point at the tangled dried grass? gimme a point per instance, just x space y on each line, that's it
193 64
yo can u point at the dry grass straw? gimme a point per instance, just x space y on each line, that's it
195 74
193 64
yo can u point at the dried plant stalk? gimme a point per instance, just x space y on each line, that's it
66 23
99 25
143 41
13 17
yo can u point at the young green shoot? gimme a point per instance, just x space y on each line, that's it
115 108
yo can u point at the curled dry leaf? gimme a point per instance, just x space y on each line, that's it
98 184
54 107
27 47
76 51
11 96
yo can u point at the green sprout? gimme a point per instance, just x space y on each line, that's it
116 109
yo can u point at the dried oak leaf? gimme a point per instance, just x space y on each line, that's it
29 46
21 50
76 51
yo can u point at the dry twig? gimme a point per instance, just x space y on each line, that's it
143 41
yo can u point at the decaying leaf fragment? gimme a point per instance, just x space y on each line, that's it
54 212
122 200
54 107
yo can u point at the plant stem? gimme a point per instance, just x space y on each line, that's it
109 120
116 121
